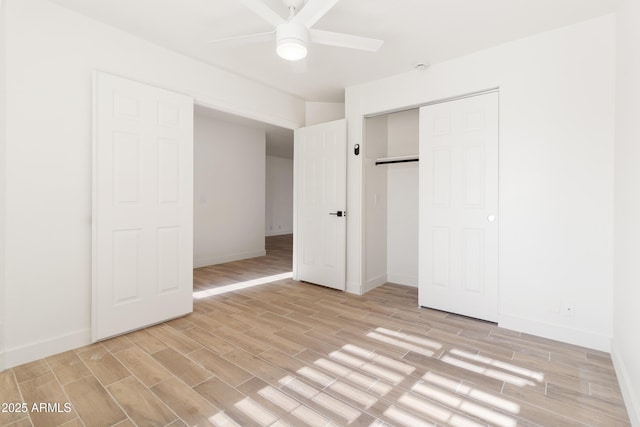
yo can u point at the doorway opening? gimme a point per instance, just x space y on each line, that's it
243 201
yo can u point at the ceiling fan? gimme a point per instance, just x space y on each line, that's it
294 34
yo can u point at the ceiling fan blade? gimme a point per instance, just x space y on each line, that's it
263 11
244 39
344 40
313 11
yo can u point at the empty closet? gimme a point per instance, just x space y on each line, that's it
391 199
433 223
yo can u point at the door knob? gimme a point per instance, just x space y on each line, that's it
491 218
338 213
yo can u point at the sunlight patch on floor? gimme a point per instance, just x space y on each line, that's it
223 420
405 418
400 343
411 338
492 373
278 398
241 285
330 403
256 412
379 359
458 387
432 410
538 376
371 384
370 368
455 401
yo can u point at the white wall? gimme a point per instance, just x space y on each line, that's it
50 54
375 202
402 200
626 315
229 192
321 112
2 179
279 196
556 171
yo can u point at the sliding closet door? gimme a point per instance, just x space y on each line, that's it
458 238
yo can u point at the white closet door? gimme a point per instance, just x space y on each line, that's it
142 206
320 190
458 237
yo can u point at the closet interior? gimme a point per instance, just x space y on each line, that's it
391 199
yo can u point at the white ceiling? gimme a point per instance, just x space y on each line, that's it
413 31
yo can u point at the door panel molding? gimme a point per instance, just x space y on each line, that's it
142 221
459 194
319 198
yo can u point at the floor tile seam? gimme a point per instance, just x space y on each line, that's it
547 409
62 387
22 399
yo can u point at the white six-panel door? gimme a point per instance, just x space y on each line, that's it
320 224
458 237
142 205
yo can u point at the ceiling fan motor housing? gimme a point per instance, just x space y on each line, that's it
292 39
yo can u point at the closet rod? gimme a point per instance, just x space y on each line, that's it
386 162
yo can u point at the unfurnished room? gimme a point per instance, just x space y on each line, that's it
319 213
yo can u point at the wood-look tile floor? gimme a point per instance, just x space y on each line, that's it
290 353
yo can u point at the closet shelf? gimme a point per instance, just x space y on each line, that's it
396 159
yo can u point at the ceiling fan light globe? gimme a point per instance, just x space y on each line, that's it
291 41
291 50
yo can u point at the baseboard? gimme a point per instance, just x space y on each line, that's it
402 279
374 283
556 332
204 261
631 396
28 353
278 233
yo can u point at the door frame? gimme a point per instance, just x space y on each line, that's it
362 239
211 103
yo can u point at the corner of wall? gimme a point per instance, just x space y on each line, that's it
402 279
355 226
631 396
371 284
2 179
625 351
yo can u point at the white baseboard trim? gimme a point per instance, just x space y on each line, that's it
556 332
203 261
30 352
374 283
278 233
403 279
631 396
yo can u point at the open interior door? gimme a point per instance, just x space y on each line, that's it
142 205
320 199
